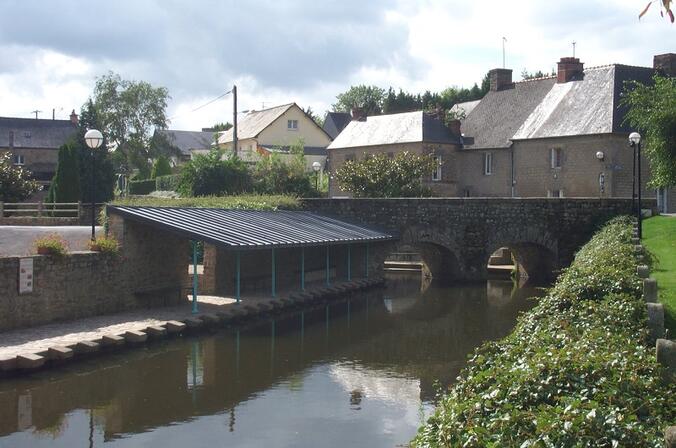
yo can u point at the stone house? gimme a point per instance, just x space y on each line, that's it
557 136
34 144
416 132
274 130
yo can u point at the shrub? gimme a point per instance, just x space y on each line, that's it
574 372
104 244
207 175
65 186
142 186
15 182
161 167
167 183
272 175
245 202
52 244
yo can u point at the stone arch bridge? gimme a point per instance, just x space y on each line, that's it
456 236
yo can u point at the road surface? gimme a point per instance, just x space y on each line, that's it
18 240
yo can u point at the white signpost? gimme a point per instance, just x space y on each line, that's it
25 275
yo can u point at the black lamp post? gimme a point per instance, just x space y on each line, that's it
316 166
94 139
635 143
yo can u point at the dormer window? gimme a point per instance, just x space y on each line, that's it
292 125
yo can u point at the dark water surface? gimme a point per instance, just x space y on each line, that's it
357 373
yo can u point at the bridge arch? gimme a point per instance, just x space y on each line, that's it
535 252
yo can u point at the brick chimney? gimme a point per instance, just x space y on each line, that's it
665 64
358 114
500 79
73 118
569 69
454 127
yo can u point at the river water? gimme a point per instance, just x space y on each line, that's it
363 372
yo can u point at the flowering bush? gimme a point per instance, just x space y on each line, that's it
104 244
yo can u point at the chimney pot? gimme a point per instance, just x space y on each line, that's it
665 64
569 69
74 118
500 79
454 127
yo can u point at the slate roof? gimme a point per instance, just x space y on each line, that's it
407 127
188 140
32 133
542 108
497 117
466 107
335 122
254 122
251 229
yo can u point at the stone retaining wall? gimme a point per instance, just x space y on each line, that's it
77 285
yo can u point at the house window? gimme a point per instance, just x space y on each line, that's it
554 193
436 174
27 134
349 157
466 193
292 125
555 157
488 164
18 159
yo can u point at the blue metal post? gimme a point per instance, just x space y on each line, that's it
237 270
194 277
328 272
302 269
349 261
366 265
274 274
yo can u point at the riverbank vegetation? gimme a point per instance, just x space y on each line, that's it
244 201
576 371
659 236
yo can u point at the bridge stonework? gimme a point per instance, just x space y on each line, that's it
456 236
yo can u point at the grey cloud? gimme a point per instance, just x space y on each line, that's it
201 45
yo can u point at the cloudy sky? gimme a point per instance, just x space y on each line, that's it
307 51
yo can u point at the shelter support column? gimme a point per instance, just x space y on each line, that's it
349 262
237 276
328 267
194 276
274 274
366 264
302 268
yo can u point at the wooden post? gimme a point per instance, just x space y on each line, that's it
40 207
79 210
2 209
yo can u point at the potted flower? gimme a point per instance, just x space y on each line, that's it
104 244
52 244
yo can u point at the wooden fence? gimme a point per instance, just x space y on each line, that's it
39 209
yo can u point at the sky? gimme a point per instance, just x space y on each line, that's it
302 51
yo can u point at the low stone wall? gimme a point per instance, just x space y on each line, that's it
38 221
80 284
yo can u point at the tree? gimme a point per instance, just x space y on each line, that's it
104 172
220 127
276 175
15 182
162 167
207 174
381 176
130 111
367 98
652 111
319 121
65 186
525 74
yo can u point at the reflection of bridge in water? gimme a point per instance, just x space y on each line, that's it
422 340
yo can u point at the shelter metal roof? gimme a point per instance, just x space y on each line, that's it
251 229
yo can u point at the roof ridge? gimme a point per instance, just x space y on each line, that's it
273 107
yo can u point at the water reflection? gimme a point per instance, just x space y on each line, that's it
356 373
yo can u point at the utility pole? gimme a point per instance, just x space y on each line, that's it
504 39
234 120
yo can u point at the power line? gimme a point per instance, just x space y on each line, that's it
205 104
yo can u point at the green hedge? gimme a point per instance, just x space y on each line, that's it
167 183
576 371
142 186
245 201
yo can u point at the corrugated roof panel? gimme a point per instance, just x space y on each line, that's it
251 229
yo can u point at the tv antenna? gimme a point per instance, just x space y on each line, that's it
504 39
574 43
36 112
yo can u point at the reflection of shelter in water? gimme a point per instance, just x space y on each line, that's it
176 381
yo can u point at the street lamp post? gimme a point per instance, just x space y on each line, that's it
635 143
93 139
316 166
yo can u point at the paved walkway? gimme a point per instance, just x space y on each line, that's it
18 240
39 339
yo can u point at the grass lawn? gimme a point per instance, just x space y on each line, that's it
659 236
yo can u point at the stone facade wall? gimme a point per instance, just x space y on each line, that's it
447 186
542 233
579 173
472 180
77 285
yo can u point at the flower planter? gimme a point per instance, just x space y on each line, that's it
44 251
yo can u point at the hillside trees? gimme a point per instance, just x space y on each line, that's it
65 186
